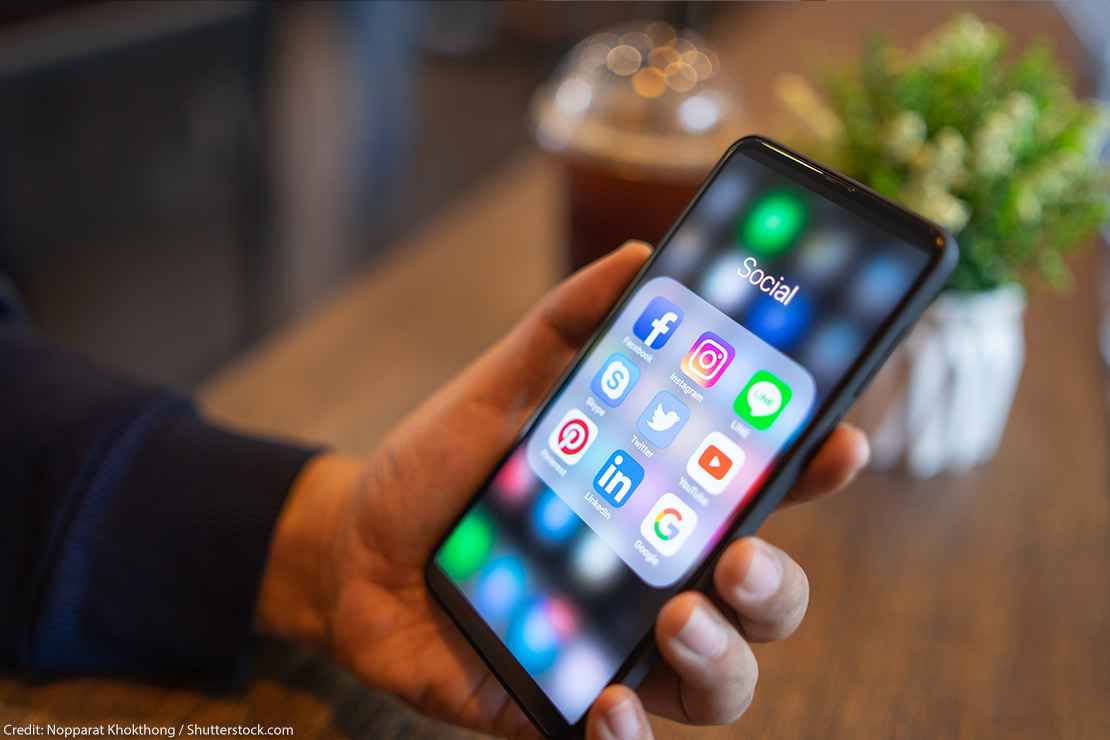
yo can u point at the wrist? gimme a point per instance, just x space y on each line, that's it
297 594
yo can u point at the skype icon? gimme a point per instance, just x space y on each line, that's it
615 379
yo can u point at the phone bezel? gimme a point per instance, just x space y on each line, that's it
843 191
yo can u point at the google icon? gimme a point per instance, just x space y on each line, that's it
669 523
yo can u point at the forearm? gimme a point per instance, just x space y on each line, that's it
138 531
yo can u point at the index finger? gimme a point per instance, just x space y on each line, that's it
836 463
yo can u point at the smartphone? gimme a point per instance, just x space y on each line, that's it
758 320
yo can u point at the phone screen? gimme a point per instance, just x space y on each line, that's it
757 306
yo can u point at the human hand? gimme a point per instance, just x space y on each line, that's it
347 561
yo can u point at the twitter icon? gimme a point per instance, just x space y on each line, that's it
663 419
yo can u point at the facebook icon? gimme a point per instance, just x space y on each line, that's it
658 322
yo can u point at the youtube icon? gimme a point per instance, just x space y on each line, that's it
715 462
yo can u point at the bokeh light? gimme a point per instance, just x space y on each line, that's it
624 60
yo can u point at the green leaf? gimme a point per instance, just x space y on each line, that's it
1023 219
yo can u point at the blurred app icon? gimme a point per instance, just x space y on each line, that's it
707 359
762 400
538 630
773 223
594 563
824 255
669 523
829 351
552 520
467 548
663 419
720 287
657 323
878 285
684 250
778 325
579 675
572 436
614 381
515 480
500 588
715 463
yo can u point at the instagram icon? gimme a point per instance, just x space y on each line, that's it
707 359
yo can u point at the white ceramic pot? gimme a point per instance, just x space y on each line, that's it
941 402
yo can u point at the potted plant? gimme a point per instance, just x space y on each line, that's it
1001 153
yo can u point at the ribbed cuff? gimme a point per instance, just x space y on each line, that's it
158 573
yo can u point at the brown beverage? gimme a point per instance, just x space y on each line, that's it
607 205
635 117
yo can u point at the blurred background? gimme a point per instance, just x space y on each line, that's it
314 214
207 171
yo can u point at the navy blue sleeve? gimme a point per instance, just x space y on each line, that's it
133 533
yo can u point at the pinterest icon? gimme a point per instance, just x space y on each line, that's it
572 436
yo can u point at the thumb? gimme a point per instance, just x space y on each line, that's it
537 351
574 309
618 715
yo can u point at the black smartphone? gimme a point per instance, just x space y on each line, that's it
759 318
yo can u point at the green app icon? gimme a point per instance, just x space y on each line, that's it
773 223
762 400
467 547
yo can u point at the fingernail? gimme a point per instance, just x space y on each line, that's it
623 721
703 635
764 576
863 452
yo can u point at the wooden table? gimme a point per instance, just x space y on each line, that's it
976 607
